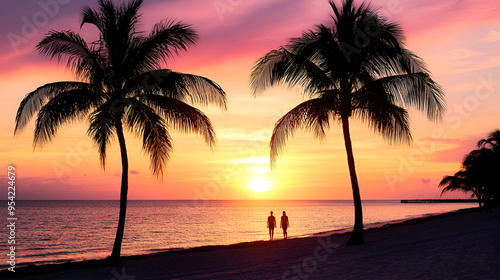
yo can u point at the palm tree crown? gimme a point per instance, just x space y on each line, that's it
479 172
122 86
356 66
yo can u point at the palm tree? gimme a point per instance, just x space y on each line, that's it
492 145
357 66
479 172
122 86
477 175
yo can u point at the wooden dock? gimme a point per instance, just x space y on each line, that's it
439 201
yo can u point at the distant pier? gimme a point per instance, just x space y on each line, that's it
439 200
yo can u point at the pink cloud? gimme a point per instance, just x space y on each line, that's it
425 181
443 140
425 15
457 153
249 28
492 36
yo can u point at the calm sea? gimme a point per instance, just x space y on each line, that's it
58 231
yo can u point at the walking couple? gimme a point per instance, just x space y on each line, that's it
271 224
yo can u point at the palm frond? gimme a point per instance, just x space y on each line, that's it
166 39
156 140
330 57
377 45
108 12
34 100
101 129
335 10
129 17
65 107
458 182
447 180
384 53
184 87
378 110
68 45
90 16
313 115
493 140
321 48
182 117
415 90
283 67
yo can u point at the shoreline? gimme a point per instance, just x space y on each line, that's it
169 250
96 264
102 256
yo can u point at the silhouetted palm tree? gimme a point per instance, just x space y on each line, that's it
492 144
122 86
357 66
483 171
479 172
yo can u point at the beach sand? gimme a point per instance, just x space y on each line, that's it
454 246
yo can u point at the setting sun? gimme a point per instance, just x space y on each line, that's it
259 185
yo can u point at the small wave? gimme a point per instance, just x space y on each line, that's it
166 250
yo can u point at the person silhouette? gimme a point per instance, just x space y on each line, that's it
271 224
284 224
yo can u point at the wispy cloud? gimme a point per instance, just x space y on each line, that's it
442 140
460 148
463 53
252 160
493 36
425 181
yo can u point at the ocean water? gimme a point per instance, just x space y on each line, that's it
58 231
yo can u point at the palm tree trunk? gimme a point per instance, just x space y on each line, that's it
357 232
479 200
115 255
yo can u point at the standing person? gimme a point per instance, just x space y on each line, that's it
271 224
284 224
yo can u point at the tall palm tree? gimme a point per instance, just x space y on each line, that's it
122 86
356 66
478 174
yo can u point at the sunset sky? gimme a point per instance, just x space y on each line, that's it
459 40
